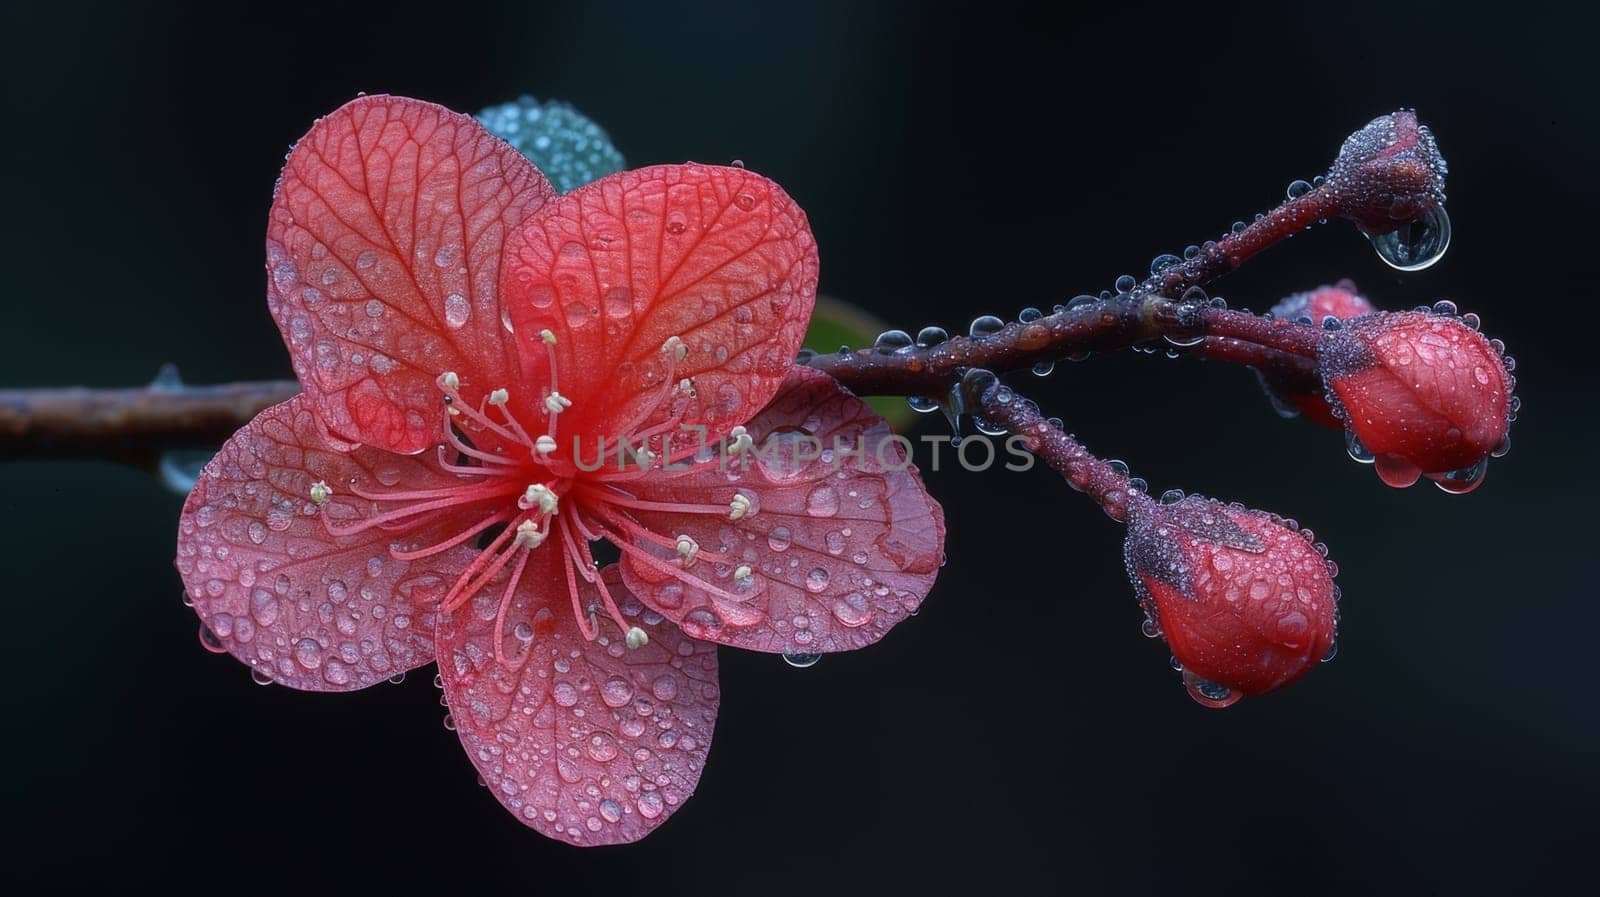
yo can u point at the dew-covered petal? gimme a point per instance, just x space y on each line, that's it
587 742
719 257
383 261
840 547
306 609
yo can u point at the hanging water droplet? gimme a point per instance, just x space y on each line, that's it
1297 189
985 325
1149 628
1460 482
1172 496
922 404
1238 227
1119 466
1126 283
180 468
800 661
260 676
1044 368
1472 320
1138 484
931 336
1503 449
1333 651
210 642
1356 450
1444 307
1209 694
892 341
1191 251
1415 245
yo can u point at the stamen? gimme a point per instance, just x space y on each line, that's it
687 549
500 617
741 440
320 492
499 397
548 337
449 382
538 495
742 572
555 402
637 638
676 347
544 445
529 535
453 541
739 506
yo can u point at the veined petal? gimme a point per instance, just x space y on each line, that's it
839 547
721 258
309 610
383 261
587 742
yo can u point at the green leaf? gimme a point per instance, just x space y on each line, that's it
565 144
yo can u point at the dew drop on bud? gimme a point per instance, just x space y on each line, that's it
1163 262
1356 450
1415 245
1126 283
1333 651
1460 482
801 661
1210 694
1029 315
1297 189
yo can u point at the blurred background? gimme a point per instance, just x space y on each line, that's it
1019 734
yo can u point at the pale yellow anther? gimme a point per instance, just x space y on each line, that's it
637 638
742 572
320 490
499 397
555 403
741 440
686 386
538 496
548 337
529 535
450 381
687 549
738 507
544 445
676 347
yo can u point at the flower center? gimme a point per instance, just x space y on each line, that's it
544 502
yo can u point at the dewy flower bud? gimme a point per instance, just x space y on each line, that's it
1289 395
1245 600
1421 394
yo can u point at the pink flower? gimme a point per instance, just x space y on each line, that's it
468 341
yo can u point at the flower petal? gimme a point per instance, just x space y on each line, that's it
309 610
383 260
840 547
719 257
587 742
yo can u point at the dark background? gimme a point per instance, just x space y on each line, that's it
1019 735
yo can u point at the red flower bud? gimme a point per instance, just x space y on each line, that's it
1244 598
1289 394
1420 394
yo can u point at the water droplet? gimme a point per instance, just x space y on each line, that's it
1333 651
1356 450
456 311
922 404
801 661
1460 482
1210 694
1396 471
817 579
210 642
892 341
1172 496
1297 189
260 676
1444 307
985 325
1126 283
1029 315
1044 368
1162 262
931 336
779 539
1415 245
